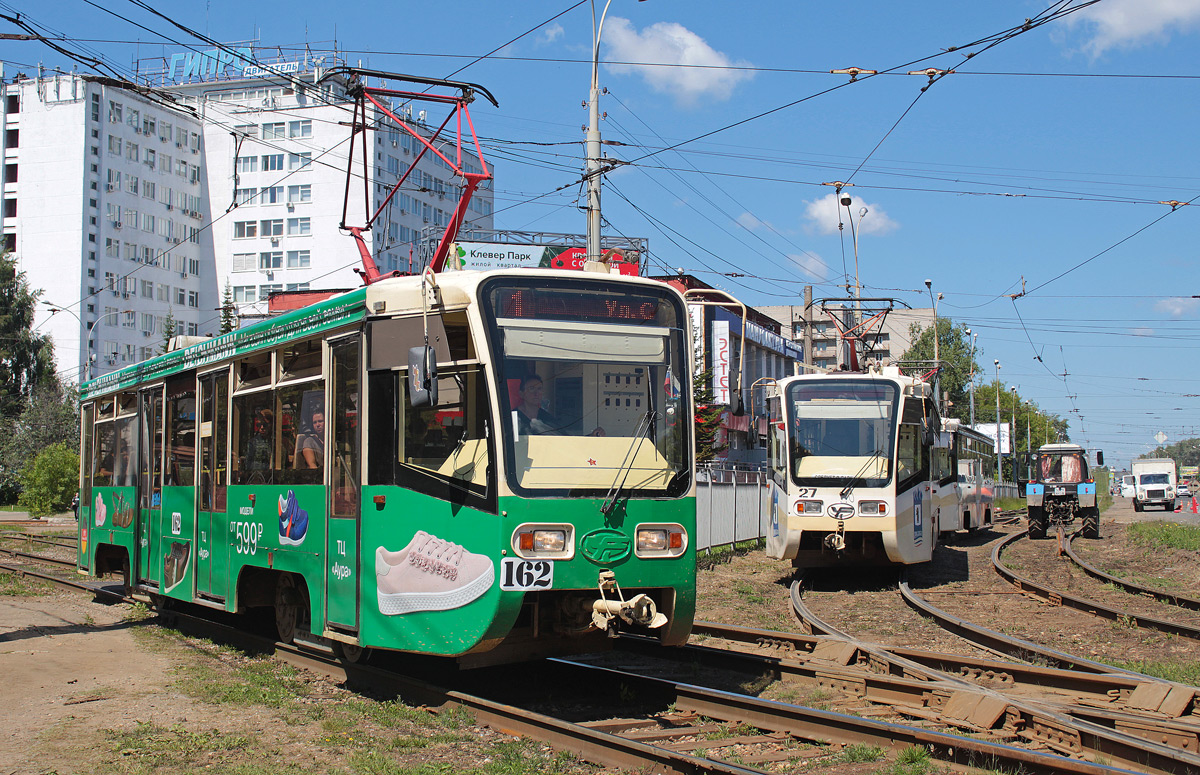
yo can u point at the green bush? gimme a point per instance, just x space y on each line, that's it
50 481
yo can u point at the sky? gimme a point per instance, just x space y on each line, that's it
1028 185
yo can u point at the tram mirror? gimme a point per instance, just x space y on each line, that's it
1099 457
422 376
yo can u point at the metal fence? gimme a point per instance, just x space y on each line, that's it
729 505
730 500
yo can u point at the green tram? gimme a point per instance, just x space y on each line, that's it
493 466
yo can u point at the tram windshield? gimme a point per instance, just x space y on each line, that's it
592 386
841 431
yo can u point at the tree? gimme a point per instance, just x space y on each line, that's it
168 331
958 362
1184 453
50 481
228 310
26 358
708 418
51 416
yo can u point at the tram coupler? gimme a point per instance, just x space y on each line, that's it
837 541
640 609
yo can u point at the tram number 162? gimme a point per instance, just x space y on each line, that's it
520 575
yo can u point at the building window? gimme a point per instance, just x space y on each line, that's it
194 267
272 228
292 287
148 189
181 296
265 291
271 195
244 293
247 164
298 161
114 145
163 292
131 183
193 299
114 112
271 259
272 162
300 129
299 194
95 112
244 196
132 152
245 229
150 159
298 259
299 227
244 262
273 131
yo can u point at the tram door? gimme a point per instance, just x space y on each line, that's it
342 474
149 511
211 520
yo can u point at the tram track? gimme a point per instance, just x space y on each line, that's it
688 719
1060 597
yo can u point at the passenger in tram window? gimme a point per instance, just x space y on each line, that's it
310 444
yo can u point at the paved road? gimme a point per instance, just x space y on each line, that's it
1122 511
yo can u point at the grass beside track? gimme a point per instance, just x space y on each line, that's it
1166 535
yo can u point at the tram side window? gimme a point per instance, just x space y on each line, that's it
87 414
300 410
181 433
442 451
254 438
105 447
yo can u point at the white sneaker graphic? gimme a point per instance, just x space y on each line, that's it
430 575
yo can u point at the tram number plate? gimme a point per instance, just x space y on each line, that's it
521 575
1060 490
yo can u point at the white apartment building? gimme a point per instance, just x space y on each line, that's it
103 208
828 351
124 208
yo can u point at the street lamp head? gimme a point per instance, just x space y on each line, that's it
997 362
845 200
929 284
862 213
941 295
968 332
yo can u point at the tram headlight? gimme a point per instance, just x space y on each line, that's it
544 541
660 540
810 507
872 508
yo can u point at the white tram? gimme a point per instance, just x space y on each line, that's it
863 471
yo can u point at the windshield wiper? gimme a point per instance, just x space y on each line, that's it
849 488
640 432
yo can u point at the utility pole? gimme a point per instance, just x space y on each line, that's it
808 357
974 339
937 361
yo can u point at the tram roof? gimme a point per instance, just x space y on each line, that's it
391 296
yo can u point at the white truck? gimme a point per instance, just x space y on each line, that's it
1154 483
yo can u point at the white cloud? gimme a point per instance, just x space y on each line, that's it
667 43
1129 23
812 264
1178 306
552 33
821 217
751 222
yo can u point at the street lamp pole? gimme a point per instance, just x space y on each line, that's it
937 360
974 339
1013 435
54 309
87 366
999 384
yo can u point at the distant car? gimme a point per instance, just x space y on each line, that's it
1184 491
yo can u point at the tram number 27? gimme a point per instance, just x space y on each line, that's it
517 574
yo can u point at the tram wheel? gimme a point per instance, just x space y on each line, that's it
1037 523
1091 524
289 607
353 653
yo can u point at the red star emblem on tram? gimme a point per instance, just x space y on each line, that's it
591 461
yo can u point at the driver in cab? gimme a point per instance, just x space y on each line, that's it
530 418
